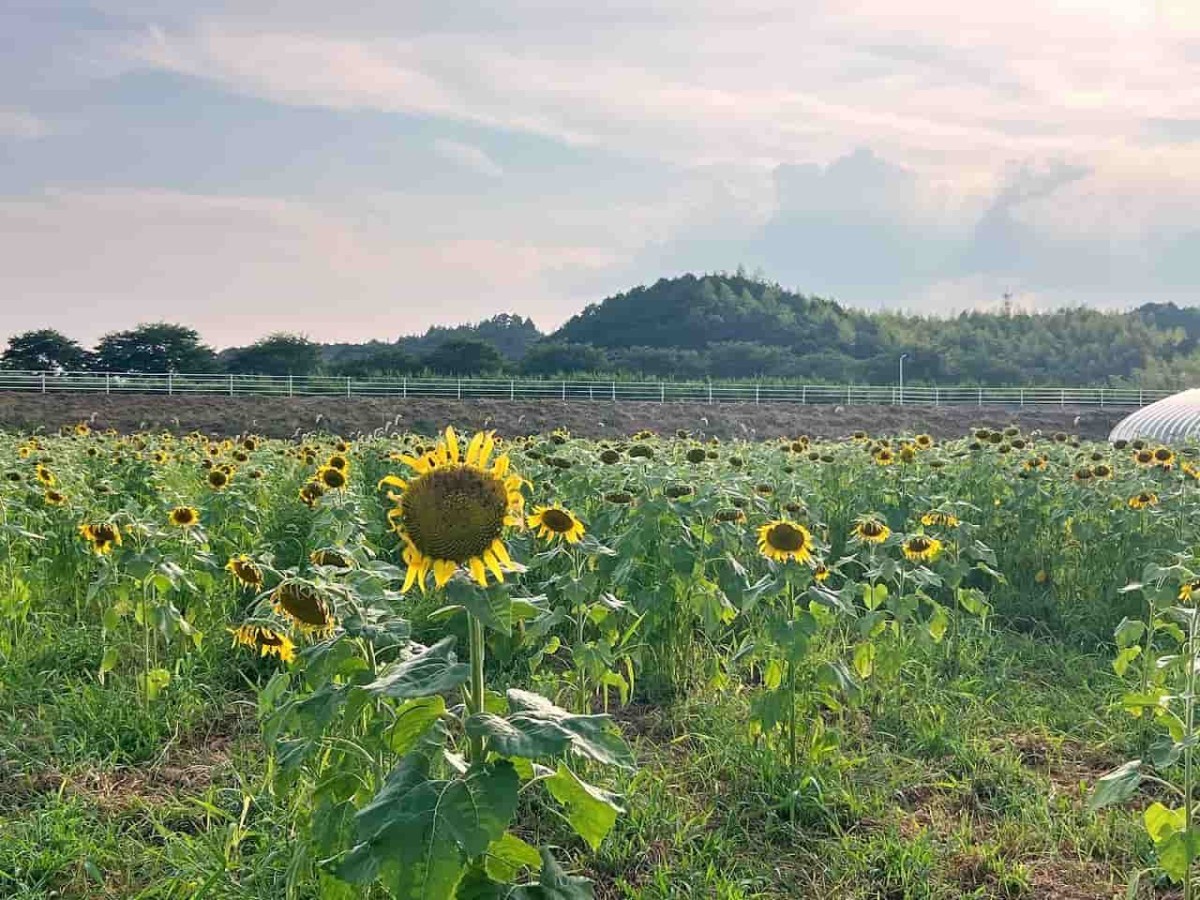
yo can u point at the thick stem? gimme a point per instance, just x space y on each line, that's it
477 696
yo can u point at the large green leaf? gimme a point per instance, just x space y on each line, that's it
591 811
413 720
535 727
1117 786
508 856
418 833
554 884
1177 852
434 670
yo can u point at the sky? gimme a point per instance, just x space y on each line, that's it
365 170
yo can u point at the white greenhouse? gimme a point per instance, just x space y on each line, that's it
1169 421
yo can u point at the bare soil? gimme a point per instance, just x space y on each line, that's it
349 416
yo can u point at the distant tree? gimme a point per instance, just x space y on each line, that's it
558 358
465 356
276 354
44 350
156 347
388 360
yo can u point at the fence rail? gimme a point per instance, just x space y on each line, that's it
540 389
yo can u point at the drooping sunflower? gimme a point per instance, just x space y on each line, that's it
620 498
267 641
871 530
1143 500
302 603
245 571
679 490
821 573
938 517
311 492
453 514
556 523
782 540
103 536
1035 464
184 516
729 514
331 556
609 456
921 548
697 455
54 498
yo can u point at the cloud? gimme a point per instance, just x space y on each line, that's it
468 156
22 125
238 267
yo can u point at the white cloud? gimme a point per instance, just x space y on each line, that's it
468 156
20 124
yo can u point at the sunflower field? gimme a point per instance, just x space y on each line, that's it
461 666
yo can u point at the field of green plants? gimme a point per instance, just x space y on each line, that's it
460 666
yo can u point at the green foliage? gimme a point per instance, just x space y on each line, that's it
276 354
158 347
464 356
44 350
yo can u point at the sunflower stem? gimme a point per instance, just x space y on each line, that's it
476 697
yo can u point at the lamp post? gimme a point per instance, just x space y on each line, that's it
903 357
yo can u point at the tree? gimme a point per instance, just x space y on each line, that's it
276 354
44 350
157 347
558 358
383 361
465 356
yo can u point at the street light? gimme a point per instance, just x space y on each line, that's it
903 357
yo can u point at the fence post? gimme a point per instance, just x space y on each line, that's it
512 389
108 382
564 390
1141 397
756 394
804 393
710 392
230 385
404 388
981 396
170 384
936 397
1022 398
347 385
662 388
614 392
460 389
291 385
1102 398
1062 398
43 382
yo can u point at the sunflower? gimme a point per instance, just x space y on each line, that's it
908 454
1035 464
45 476
921 548
729 514
641 451
821 573
339 462
1191 471
609 456
1143 457
267 641
697 455
871 530
184 517
1143 500
782 540
303 604
1102 470
1164 457
311 493
937 517
331 478
620 498
454 512
884 457
1187 589
218 479
54 498
328 556
245 571
677 491
103 536
554 522
1082 475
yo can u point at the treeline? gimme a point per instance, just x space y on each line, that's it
696 327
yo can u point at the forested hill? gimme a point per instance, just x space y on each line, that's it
733 326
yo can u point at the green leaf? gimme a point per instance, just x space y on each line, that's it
874 596
508 855
535 727
434 670
108 662
1162 822
1117 786
492 606
1125 658
864 660
1177 851
413 721
591 811
938 622
1129 632
554 884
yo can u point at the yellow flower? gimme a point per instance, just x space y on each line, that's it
884 457
921 548
184 517
453 514
331 478
1187 589
329 556
821 573
871 530
103 536
267 641
218 479
45 476
1143 500
311 493
303 604
937 517
782 540
555 522
54 498
245 570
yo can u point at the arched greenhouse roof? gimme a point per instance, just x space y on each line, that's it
1169 421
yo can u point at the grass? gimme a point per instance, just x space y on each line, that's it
965 778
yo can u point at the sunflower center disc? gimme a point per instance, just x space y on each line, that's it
454 513
785 537
557 521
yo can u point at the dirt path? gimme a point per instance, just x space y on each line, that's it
283 417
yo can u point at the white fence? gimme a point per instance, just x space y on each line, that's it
542 389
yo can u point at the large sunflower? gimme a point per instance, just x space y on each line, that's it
921 548
871 530
103 536
1143 500
245 570
782 540
184 516
555 523
304 605
453 513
